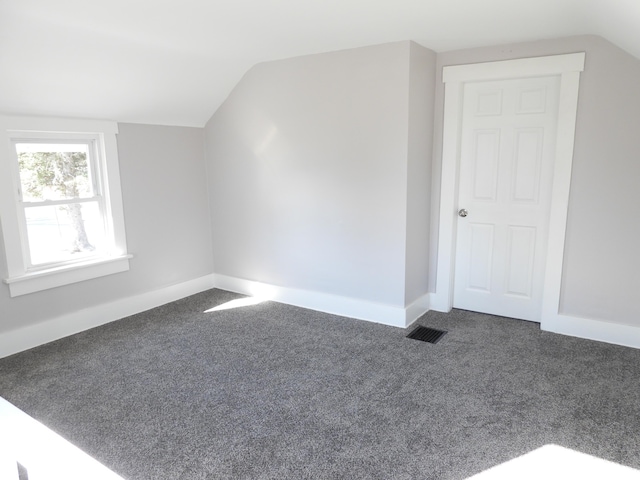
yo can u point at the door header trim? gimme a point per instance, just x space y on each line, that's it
519 68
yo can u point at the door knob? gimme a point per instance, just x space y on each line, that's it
462 212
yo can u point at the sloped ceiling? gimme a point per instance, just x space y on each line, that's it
174 62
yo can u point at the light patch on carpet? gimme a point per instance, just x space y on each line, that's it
42 452
237 303
552 462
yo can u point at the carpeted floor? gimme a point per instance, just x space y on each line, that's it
272 391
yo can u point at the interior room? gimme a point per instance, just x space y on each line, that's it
284 191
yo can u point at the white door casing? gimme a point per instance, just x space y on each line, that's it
506 171
567 68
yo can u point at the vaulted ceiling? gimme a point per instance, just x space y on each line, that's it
174 62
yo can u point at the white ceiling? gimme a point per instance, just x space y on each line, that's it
174 62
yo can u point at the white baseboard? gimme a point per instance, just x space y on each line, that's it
323 302
440 303
598 330
24 338
601 331
31 336
418 308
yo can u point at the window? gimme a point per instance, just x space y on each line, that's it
61 208
61 204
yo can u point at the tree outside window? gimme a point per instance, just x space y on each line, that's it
62 210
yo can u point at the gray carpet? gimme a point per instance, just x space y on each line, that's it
273 391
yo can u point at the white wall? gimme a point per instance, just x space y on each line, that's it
167 223
600 276
309 160
422 77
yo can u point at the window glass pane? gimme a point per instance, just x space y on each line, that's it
64 232
54 171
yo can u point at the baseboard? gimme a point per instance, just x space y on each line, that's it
418 308
601 331
24 338
440 302
323 302
18 340
589 329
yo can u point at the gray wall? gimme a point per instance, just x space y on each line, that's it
600 277
308 161
422 76
318 172
167 222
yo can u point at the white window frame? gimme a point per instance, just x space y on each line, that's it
21 277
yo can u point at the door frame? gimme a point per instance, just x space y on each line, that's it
568 68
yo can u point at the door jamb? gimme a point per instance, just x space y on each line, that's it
568 68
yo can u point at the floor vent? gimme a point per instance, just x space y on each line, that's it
424 334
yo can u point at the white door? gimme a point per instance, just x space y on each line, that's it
506 172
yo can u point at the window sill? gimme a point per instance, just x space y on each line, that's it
55 277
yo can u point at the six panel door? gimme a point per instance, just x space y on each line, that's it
506 170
